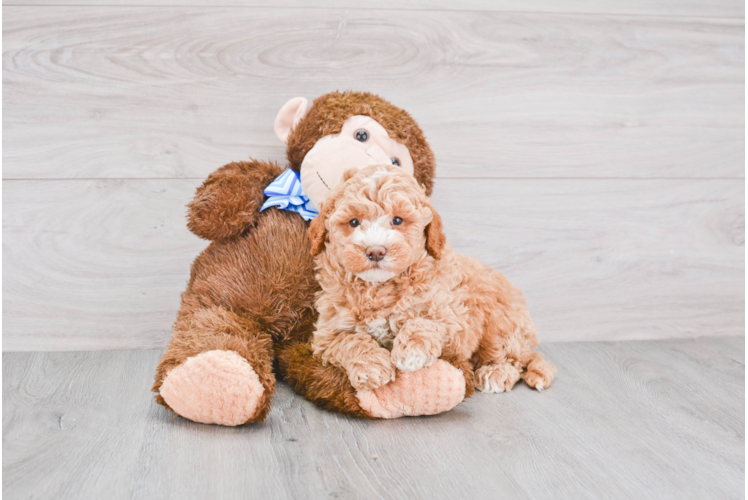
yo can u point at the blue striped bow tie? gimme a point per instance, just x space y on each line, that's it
285 193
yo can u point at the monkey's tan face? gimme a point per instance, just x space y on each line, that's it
377 229
361 142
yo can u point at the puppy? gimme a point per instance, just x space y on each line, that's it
394 294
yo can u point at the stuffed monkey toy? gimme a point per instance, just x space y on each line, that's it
249 303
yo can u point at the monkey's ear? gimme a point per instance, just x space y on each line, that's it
317 229
289 116
435 238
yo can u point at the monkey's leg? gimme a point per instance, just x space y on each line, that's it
217 368
428 391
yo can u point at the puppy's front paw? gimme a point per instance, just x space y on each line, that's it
414 355
414 361
372 371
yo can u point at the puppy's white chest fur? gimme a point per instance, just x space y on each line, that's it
379 328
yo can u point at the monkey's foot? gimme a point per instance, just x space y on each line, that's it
428 391
214 387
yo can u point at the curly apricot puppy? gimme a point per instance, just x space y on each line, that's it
395 294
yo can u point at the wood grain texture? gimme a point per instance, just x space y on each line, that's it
649 420
165 92
94 264
97 264
713 8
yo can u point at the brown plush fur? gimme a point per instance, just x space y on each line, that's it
200 330
245 294
252 290
228 203
420 300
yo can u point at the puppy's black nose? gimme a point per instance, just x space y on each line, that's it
376 252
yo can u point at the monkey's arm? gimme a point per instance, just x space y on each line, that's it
228 203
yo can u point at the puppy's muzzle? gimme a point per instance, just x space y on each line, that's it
376 252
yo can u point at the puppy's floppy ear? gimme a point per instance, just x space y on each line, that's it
349 173
317 229
435 238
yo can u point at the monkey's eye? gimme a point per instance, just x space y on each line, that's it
362 135
395 161
354 223
397 221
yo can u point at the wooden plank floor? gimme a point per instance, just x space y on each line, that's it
647 419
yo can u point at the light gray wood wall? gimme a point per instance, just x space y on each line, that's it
592 152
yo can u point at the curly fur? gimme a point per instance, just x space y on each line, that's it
434 301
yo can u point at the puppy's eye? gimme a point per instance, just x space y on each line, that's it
362 135
395 161
397 221
354 223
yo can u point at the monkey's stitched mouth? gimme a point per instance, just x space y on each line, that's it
323 181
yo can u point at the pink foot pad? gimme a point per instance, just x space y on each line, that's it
214 387
427 391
